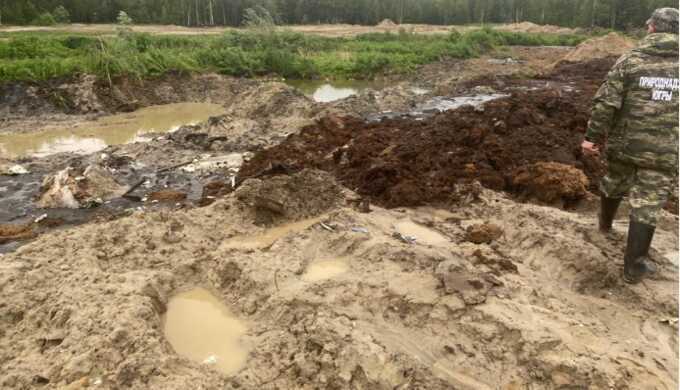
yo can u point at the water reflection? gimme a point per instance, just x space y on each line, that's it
92 136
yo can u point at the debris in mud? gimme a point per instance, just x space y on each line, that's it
212 191
231 162
504 61
404 238
362 205
167 196
550 182
75 188
483 233
441 104
10 233
13 170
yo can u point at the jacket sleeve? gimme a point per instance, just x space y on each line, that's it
607 102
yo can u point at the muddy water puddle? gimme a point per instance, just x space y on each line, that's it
440 104
330 91
269 236
92 136
436 105
421 234
202 329
325 269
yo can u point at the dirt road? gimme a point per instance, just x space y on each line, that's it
328 30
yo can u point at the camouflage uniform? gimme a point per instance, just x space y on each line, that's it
635 113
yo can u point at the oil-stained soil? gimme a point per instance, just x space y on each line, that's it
407 162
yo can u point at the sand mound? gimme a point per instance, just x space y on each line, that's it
387 23
263 114
289 198
609 45
529 27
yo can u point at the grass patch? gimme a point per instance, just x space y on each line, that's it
248 53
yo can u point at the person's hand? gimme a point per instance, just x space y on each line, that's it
590 149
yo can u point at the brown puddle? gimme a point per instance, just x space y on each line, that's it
422 234
325 269
92 136
202 329
270 236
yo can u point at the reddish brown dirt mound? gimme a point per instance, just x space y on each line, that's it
408 163
550 182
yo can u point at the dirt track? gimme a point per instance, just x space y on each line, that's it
473 289
329 30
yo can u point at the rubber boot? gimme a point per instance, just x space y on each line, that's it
608 207
634 265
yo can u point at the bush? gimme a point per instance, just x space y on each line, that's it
61 15
33 47
123 19
229 60
45 19
258 18
79 42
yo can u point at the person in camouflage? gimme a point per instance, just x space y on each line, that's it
635 113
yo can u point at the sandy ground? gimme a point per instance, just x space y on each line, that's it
481 291
542 306
328 30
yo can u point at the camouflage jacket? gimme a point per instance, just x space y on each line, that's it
636 109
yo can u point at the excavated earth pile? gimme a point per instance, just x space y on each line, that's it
406 162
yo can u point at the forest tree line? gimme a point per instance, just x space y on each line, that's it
616 14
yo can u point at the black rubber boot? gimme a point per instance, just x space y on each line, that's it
608 207
634 265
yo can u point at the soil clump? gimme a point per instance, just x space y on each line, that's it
550 182
484 233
